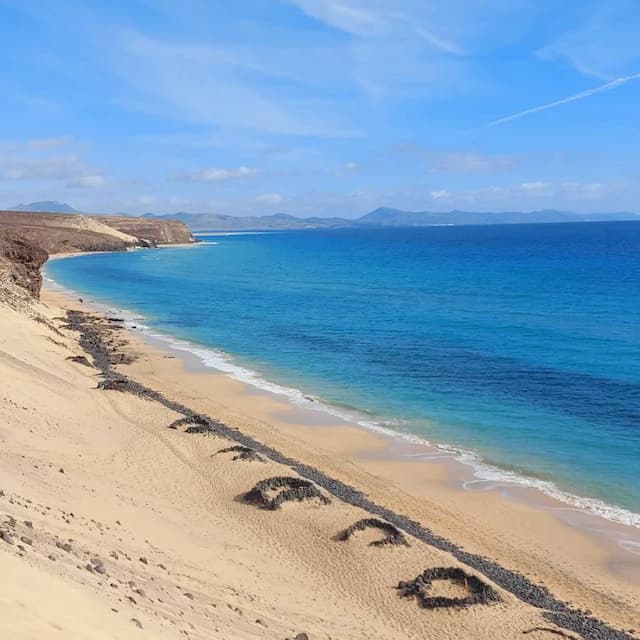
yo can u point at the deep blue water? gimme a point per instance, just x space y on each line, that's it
521 343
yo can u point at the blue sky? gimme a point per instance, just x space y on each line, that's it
321 107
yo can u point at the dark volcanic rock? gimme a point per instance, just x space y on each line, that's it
392 534
292 489
197 424
21 260
556 611
242 453
80 360
6 537
478 591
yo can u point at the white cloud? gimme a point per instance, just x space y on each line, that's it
533 187
87 182
36 160
440 43
215 174
585 190
524 194
470 162
343 15
40 168
409 48
604 45
270 198
211 84
346 168
49 143
388 19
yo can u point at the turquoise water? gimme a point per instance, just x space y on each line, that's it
520 343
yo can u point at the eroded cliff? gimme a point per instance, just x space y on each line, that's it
27 239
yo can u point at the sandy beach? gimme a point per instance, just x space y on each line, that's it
115 524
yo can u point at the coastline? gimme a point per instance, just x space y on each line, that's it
539 454
466 468
538 537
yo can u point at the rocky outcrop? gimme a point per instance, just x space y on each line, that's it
60 233
150 230
27 239
20 262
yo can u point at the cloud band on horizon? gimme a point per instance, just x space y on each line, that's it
578 96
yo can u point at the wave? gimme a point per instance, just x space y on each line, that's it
483 473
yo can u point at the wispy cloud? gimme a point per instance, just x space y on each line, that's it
608 86
41 160
603 44
343 15
347 168
216 174
95 181
439 42
269 198
470 162
531 193
49 143
225 85
49 168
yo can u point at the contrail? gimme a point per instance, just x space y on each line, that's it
578 96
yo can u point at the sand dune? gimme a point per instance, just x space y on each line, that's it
115 525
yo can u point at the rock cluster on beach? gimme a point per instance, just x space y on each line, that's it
308 486
472 589
271 493
150 583
392 535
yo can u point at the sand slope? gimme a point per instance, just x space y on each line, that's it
118 526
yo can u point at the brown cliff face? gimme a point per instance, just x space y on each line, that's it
20 262
60 233
26 239
153 230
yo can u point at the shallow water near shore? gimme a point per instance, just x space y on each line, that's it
516 346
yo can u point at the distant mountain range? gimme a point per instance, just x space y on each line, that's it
385 217
381 217
45 206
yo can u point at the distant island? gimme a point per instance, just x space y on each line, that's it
381 217
45 206
386 217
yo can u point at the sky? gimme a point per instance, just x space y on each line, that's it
320 107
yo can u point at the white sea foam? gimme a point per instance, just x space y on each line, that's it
631 546
483 473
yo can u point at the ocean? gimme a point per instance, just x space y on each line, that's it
517 346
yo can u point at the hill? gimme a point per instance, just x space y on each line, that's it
275 222
388 217
48 206
61 232
384 217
